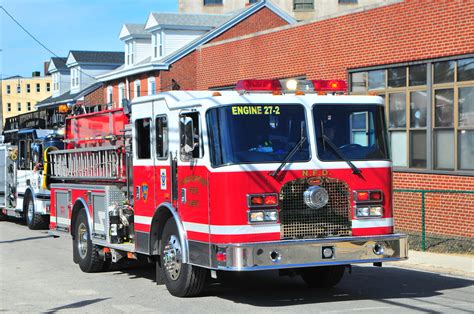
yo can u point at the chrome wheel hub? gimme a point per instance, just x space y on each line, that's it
30 211
82 238
172 258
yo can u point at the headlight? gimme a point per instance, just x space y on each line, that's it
256 216
369 211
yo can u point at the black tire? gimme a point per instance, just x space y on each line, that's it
33 220
87 254
323 277
181 280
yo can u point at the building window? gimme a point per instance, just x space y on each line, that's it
75 77
48 87
413 99
121 93
130 51
348 1
18 88
28 88
18 106
56 81
9 89
136 88
9 107
303 5
109 94
38 87
151 86
213 2
28 106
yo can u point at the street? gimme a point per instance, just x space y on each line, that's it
37 275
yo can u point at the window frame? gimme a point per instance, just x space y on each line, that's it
430 88
138 142
303 5
165 137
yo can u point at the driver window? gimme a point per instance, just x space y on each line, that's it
193 137
24 155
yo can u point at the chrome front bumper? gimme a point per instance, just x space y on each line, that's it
309 253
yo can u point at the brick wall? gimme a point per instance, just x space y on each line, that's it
407 31
447 213
262 20
96 97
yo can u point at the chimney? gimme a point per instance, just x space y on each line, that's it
45 68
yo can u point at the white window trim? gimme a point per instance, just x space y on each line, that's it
121 95
135 84
151 90
109 94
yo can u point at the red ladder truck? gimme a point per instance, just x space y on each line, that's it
278 174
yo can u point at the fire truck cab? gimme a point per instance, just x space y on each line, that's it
270 176
22 190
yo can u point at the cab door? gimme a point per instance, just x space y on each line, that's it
143 166
193 177
161 153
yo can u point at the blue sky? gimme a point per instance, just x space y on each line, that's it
63 25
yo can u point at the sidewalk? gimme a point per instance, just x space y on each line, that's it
451 264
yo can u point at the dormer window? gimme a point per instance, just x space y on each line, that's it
130 52
55 81
74 77
157 44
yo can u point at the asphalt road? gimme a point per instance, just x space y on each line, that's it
37 275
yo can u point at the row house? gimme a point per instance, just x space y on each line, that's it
73 77
162 54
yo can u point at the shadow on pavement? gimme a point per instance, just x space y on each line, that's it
76 305
268 289
26 239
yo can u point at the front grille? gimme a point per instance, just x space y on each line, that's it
298 221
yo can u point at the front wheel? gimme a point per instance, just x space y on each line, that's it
323 277
33 220
87 254
181 280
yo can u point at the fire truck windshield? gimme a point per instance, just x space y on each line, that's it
357 131
241 134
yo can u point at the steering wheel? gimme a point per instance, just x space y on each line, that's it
353 145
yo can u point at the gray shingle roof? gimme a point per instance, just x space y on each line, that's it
136 29
67 96
117 57
59 63
203 20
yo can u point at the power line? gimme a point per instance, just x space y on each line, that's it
39 42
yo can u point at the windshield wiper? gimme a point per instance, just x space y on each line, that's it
290 153
327 140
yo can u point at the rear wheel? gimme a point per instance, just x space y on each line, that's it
182 280
33 220
87 254
323 277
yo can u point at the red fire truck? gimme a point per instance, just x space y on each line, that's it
278 174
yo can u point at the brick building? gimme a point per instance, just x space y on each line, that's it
419 56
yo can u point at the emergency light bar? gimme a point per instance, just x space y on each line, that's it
291 85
